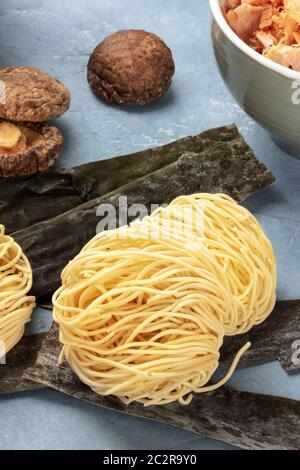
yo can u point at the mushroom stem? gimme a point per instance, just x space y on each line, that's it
11 137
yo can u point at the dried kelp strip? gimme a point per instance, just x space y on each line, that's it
230 168
22 356
246 420
277 338
26 201
45 301
233 163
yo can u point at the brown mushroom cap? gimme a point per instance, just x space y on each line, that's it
37 149
31 95
131 67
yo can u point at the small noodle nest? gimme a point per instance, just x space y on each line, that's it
15 282
143 309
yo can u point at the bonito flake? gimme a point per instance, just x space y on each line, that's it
271 27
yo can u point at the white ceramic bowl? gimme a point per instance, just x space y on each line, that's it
267 91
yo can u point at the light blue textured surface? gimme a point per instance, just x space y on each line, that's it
58 36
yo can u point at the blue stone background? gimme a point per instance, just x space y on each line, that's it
58 37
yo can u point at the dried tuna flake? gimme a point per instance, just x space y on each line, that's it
266 17
271 27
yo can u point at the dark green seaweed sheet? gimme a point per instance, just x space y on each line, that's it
22 356
230 168
246 420
277 338
26 201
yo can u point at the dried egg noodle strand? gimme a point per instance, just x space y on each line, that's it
143 309
15 282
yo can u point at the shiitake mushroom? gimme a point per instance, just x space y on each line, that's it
131 67
29 97
27 148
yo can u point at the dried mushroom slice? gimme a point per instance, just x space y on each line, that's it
131 67
28 148
28 94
